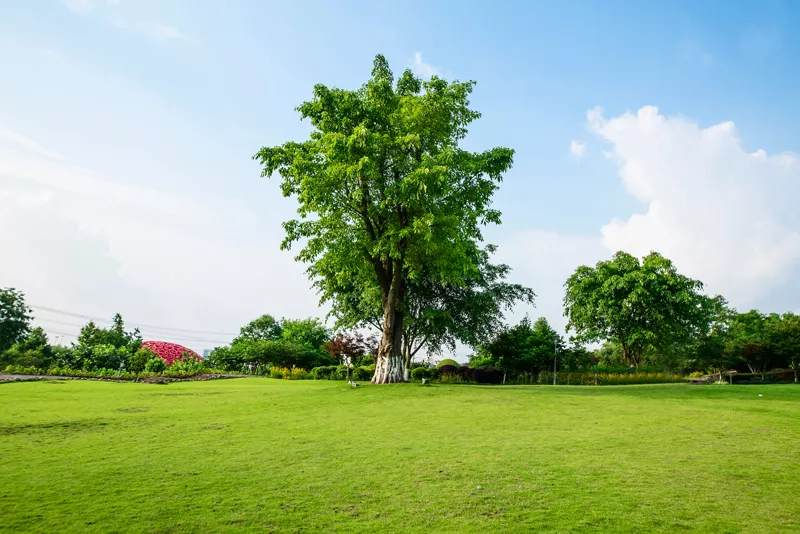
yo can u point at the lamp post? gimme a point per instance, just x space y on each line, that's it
555 357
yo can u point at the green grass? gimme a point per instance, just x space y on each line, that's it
267 455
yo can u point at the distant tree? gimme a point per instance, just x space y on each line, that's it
526 347
32 350
268 342
106 348
261 329
384 188
748 341
643 306
15 317
309 333
783 334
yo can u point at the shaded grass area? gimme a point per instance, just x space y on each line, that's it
267 455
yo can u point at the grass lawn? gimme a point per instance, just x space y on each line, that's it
267 455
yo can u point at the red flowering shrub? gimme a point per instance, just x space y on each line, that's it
169 352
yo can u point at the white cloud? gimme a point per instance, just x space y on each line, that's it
422 69
723 215
577 149
161 30
83 242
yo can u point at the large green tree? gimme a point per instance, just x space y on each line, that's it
382 183
15 317
643 305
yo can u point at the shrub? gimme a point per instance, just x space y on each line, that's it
323 373
609 379
447 361
155 365
447 370
296 374
189 365
276 372
362 373
138 361
487 375
418 373
452 378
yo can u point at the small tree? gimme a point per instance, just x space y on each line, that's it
352 348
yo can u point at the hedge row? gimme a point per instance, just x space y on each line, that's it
106 373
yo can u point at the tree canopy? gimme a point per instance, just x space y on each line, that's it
642 305
15 317
384 188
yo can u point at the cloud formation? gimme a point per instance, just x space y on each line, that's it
82 242
422 69
722 214
577 149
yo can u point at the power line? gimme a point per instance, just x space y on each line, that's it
141 325
159 334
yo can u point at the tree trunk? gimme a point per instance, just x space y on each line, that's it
389 368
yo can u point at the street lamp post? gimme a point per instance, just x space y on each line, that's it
555 358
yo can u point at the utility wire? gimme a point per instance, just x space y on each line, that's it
140 325
166 335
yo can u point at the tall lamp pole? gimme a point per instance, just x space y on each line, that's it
555 358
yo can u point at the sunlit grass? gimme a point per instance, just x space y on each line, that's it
271 455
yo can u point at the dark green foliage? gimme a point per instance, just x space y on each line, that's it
15 317
323 372
66 357
418 373
361 373
447 370
31 350
265 343
105 348
525 347
137 362
783 332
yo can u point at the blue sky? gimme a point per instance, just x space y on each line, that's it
105 105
